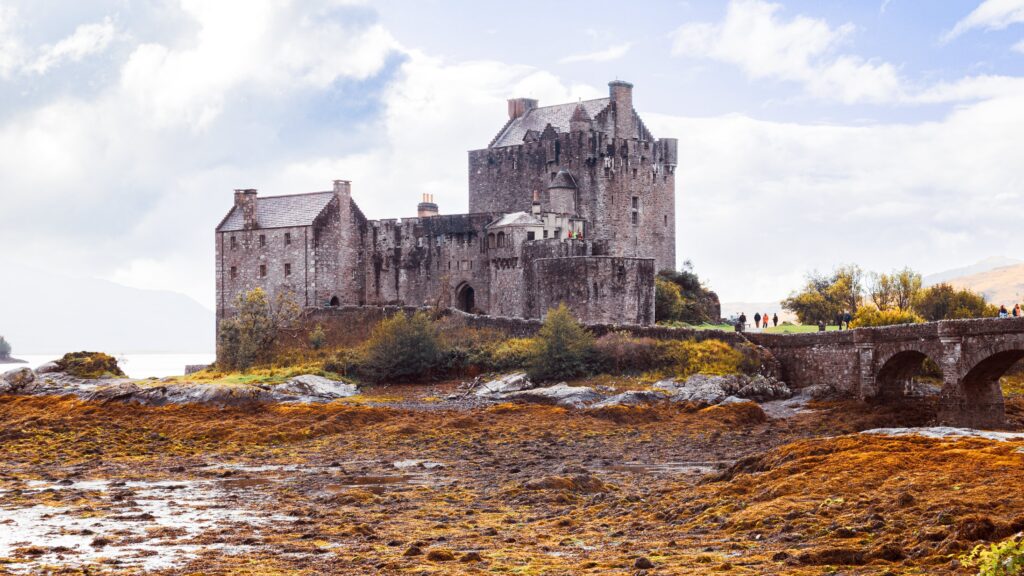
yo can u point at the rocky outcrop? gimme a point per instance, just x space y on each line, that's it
505 384
705 390
307 388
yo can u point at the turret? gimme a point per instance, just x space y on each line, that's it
562 193
580 121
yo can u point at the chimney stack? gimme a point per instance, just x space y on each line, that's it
520 106
245 200
535 208
343 187
621 94
427 208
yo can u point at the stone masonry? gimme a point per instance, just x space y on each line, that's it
571 203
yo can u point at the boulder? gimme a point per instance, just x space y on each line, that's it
48 368
632 398
505 384
559 394
14 381
707 390
312 388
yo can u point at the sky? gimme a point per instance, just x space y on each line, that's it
811 133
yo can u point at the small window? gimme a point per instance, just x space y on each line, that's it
666 220
545 233
263 240
287 269
531 235
634 173
263 270
501 239
636 202
234 243
234 272
636 218
287 238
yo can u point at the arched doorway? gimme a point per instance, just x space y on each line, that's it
465 298
335 302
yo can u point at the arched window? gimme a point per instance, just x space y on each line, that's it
490 240
501 239
335 302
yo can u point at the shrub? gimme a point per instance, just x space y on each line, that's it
401 347
562 349
1005 558
5 348
870 316
345 362
511 354
618 352
248 336
89 365
668 302
684 358
317 337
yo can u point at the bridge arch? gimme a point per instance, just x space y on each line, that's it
896 372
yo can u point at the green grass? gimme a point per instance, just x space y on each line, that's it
782 329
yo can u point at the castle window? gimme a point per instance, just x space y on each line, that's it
634 173
287 269
635 218
545 233
287 238
530 235
263 270
490 241
666 220
234 243
263 240
234 272
636 202
501 239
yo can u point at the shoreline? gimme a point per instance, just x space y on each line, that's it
11 360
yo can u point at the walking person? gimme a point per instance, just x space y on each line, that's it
775 319
848 318
743 321
764 320
757 320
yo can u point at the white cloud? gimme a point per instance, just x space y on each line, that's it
1018 47
990 15
12 52
87 39
801 49
797 197
606 55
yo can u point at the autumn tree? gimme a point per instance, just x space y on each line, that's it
944 302
248 336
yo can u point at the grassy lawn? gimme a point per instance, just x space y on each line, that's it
783 329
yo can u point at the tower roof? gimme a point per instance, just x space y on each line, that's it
580 114
564 179
559 116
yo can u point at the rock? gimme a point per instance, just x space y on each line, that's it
14 381
312 388
413 551
559 394
470 557
632 398
707 390
643 563
440 555
505 384
732 400
48 368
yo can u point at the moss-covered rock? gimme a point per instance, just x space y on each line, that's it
89 365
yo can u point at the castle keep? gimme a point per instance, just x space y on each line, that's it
570 203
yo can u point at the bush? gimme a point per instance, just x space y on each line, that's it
317 337
619 352
511 354
869 316
1005 558
668 302
402 347
944 302
562 349
345 362
688 357
89 365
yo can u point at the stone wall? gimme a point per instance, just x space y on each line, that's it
598 289
806 360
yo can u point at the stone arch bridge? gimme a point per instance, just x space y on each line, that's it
878 363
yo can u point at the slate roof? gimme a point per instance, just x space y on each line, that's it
516 219
280 211
558 116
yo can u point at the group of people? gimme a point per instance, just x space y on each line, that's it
759 319
1016 313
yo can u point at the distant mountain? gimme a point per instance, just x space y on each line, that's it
1004 285
985 265
44 312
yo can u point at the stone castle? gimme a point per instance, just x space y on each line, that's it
572 203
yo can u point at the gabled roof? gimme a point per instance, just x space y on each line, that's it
537 119
580 114
280 211
516 219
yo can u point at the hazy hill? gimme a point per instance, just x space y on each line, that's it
983 266
1003 285
43 312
